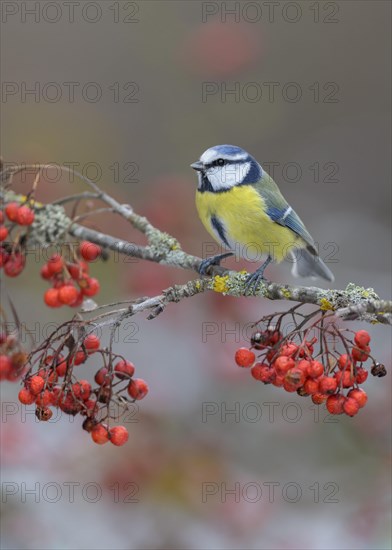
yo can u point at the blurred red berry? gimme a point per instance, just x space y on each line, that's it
362 338
335 403
100 434
319 398
51 298
91 343
359 395
11 210
288 349
45 273
44 399
244 357
283 364
351 406
15 265
137 388
311 386
102 377
316 369
360 354
55 264
36 384
67 294
89 251
327 384
24 215
344 378
124 369
89 286
118 435
263 373
3 233
344 362
5 366
361 375
26 397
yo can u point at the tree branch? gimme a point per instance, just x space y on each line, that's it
354 302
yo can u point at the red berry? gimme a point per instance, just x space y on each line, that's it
3 233
316 369
36 384
67 294
15 265
100 434
124 369
304 365
344 378
351 406
82 389
335 403
361 375
89 286
319 398
91 343
359 354
45 273
118 435
137 388
4 256
359 395
26 397
244 357
44 399
344 362
11 210
5 366
55 264
263 373
102 377
61 368
24 215
288 349
311 386
278 381
1 216
295 377
288 387
362 338
79 357
51 298
283 364
328 384
89 251
79 300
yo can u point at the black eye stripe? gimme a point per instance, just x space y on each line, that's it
210 164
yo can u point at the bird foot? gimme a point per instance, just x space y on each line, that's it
214 260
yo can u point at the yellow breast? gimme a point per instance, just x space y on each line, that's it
249 230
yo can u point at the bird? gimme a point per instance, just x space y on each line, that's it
242 208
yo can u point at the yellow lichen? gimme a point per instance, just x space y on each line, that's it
219 284
286 293
325 305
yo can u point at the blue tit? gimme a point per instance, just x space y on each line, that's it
241 206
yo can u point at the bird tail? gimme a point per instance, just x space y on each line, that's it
308 264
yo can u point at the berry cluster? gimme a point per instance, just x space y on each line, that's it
70 280
291 363
53 384
12 260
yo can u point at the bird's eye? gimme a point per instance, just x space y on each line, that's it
220 162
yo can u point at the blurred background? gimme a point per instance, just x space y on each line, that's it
130 93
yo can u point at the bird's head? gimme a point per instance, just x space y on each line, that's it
224 166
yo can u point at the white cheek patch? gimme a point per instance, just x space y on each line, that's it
226 177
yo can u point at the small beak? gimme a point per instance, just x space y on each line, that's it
198 166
